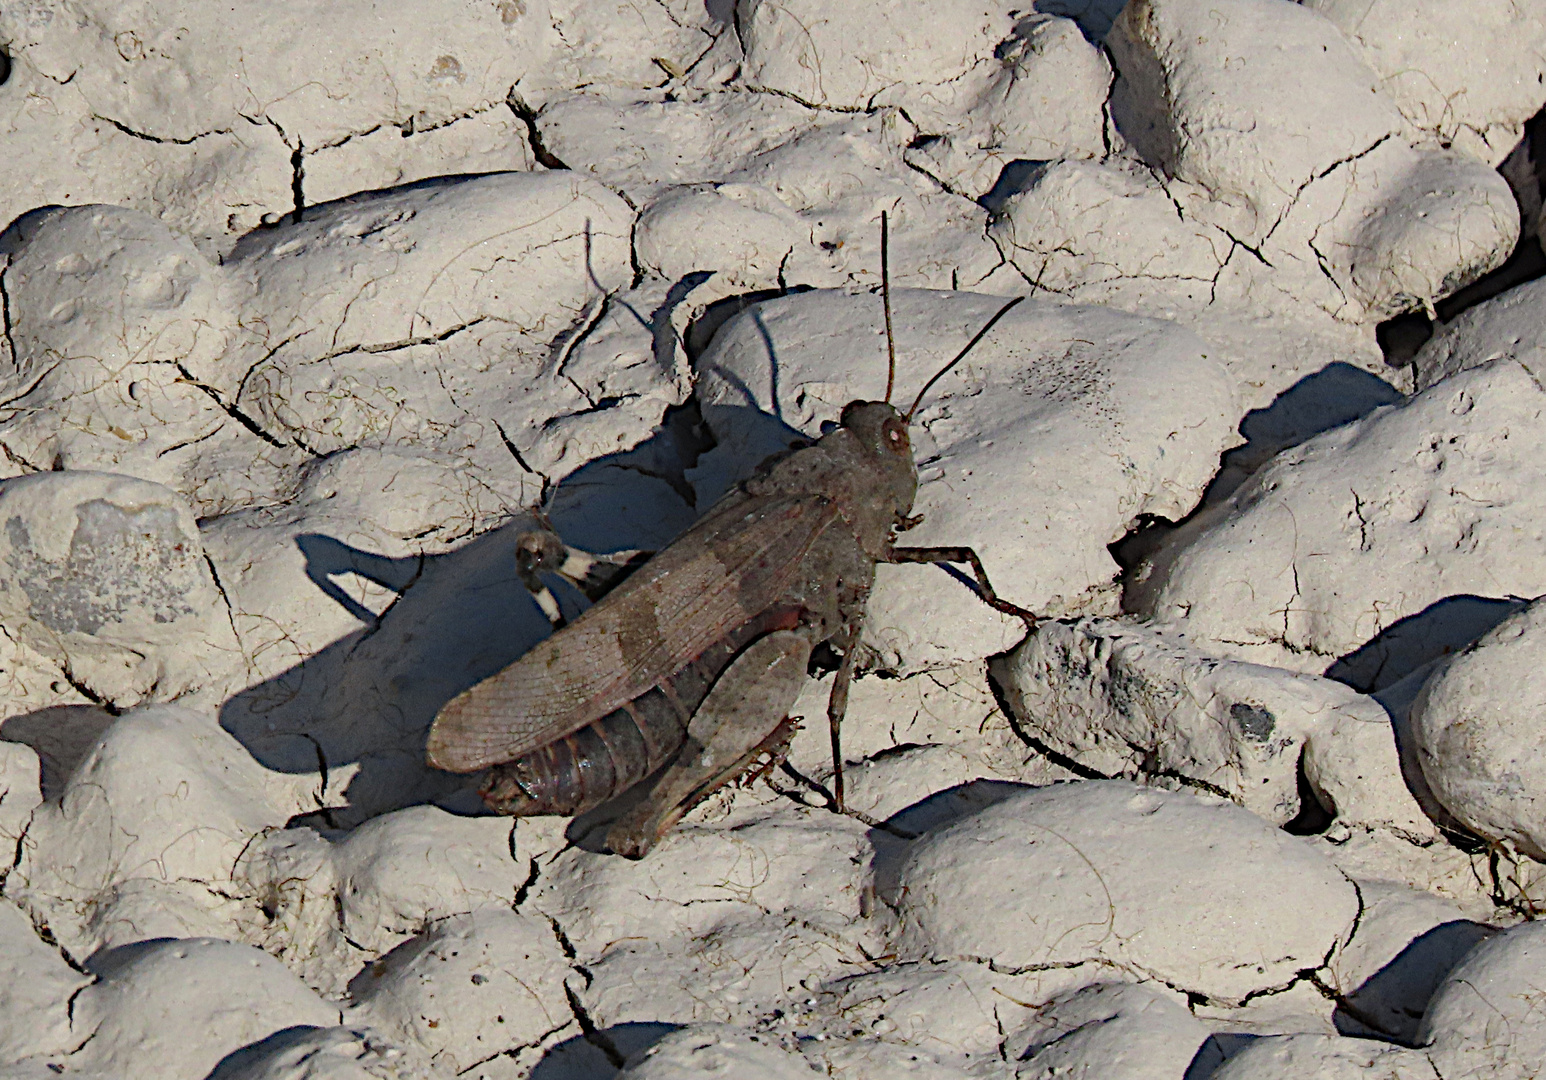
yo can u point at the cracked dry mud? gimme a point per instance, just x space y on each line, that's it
309 311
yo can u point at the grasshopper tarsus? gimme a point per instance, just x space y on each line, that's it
969 556
830 803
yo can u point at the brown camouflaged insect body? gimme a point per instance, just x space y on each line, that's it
727 615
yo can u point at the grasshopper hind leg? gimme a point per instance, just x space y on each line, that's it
743 718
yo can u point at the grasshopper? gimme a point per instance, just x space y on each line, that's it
683 674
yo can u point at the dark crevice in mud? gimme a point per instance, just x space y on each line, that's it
87 692
1312 976
34 384
842 110
513 1053
269 354
162 140
528 116
938 181
5 314
1324 265
401 343
1303 975
1108 121
1340 162
634 264
210 434
298 182
225 598
323 811
340 920
46 936
1237 243
21 844
1062 760
546 490
568 341
592 1034
344 140
514 451
534 872
5 67
1352 931
1191 782
417 125
16 459
565 945
1314 817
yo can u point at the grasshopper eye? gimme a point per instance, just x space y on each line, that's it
895 436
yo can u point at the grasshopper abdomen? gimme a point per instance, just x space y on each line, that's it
608 756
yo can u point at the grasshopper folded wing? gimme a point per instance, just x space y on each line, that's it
715 577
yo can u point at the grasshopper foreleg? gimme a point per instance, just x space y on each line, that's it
968 556
592 574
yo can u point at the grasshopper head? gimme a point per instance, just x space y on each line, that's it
881 432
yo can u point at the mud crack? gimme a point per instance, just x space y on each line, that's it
230 408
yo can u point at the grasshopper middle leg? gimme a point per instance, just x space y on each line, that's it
837 704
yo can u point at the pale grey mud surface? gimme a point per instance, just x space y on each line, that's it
308 311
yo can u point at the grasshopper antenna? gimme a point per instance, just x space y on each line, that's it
885 299
970 345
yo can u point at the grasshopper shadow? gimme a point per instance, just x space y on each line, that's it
358 711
